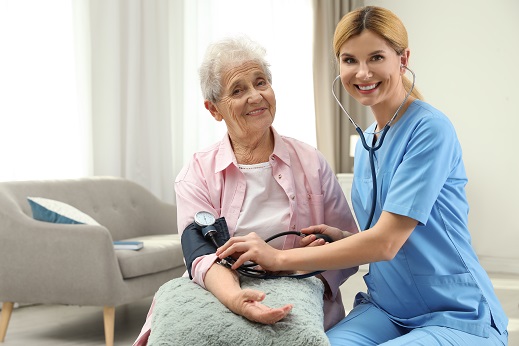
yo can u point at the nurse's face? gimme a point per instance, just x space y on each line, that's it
247 104
370 69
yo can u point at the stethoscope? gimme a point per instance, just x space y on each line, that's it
371 149
248 269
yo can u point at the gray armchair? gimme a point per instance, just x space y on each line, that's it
49 263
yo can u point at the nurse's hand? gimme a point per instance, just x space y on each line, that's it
250 248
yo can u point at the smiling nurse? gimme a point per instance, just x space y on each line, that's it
425 283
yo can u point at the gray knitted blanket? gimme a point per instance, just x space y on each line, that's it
187 315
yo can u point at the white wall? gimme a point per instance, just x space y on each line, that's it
465 54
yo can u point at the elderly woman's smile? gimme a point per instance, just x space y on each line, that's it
258 111
247 103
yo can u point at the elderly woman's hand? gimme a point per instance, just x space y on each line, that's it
248 304
311 240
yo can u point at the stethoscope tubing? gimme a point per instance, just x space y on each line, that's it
371 151
376 146
246 270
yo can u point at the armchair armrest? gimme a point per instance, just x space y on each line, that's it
30 251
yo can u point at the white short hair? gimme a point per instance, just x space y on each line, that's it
224 54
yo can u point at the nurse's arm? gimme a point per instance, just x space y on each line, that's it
379 243
389 235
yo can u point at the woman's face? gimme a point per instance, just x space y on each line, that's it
247 104
370 69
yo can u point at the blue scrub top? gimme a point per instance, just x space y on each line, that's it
436 278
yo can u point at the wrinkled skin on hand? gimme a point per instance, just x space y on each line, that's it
333 232
248 303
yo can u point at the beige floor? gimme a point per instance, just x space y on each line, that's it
43 325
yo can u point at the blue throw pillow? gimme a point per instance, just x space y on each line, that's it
48 210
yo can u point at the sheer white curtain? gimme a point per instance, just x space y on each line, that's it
41 131
123 55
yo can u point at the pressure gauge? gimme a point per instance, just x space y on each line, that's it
204 218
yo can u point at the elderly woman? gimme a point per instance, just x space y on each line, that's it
258 180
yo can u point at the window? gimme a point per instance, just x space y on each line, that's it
40 133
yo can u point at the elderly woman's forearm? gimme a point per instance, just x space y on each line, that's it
223 283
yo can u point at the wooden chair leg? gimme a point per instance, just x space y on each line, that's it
7 309
109 321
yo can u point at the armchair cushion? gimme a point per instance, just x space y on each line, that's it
160 252
49 210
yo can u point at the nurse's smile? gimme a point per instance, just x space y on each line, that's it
367 88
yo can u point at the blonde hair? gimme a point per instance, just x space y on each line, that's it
379 21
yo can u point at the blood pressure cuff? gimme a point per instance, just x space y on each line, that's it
195 245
